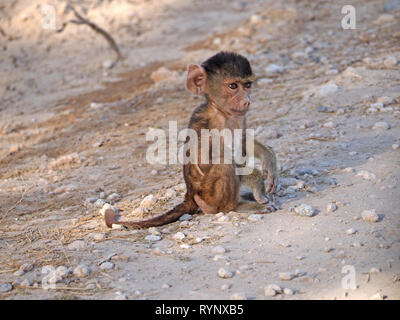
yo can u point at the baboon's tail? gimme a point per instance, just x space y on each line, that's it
187 206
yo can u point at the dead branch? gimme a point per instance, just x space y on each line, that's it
95 28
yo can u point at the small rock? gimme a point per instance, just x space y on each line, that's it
140 211
149 201
288 292
218 250
351 231
26 283
269 292
152 237
179 236
286 276
370 216
226 287
170 193
255 217
378 296
81 271
154 231
19 273
225 274
165 286
381 126
99 203
274 69
219 257
395 146
330 125
223 219
331 208
272 289
384 18
385 100
62 272
113 197
374 270
6 287
108 64
366 175
349 169
186 217
107 206
90 200
107 265
304 210
238 296
77 245
198 240
322 109
185 246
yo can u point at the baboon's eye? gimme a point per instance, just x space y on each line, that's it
233 85
247 85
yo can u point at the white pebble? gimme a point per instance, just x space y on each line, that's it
186 217
170 193
238 296
274 69
286 276
62 272
255 217
77 245
179 236
381 126
370 216
107 265
218 250
351 231
288 292
154 231
395 146
225 274
152 237
304 210
185 246
331 208
81 271
149 201
107 206
374 270
378 296
366 175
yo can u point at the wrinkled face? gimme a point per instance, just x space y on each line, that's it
232 94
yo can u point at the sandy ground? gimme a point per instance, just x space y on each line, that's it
72 128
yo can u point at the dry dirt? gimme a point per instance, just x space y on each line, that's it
58 98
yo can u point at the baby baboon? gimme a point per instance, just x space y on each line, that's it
225 81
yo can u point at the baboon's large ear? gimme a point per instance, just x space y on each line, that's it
196 79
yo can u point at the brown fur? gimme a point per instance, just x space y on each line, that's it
215 187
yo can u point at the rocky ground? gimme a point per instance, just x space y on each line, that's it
72 142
